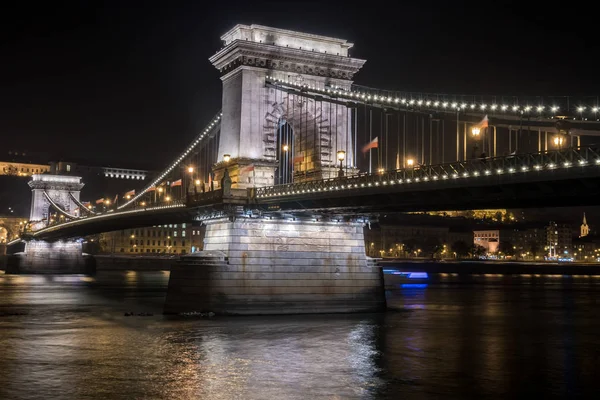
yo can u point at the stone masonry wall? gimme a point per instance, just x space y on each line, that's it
279 267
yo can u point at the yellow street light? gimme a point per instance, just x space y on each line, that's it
160 190
143 203
226 157
558 140
475 131
107 202
128 196
168 198
410 162
380 170
286 147
341 155
190 169
197 182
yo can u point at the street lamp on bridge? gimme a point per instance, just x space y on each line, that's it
341 155
476 131
410 162
558 141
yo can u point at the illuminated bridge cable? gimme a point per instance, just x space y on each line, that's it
81 205
57 207
80 221
533 106
202 137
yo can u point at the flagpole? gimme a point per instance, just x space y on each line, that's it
370 140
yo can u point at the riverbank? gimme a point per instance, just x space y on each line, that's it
492 267
107 262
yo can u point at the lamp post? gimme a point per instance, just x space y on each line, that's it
341 155
410 164
475 131
226 157
558 141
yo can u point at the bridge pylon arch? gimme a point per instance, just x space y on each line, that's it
47 189
252 109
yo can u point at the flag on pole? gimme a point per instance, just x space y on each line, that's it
397 161
373 144
483 123
130 193
298 159
100 201
176 183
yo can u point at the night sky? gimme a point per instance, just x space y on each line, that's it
129 83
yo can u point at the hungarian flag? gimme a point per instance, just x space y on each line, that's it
176 183
483 123
373 144
130 193
100 201
248 168
298 159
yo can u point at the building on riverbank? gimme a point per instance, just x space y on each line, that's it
161 239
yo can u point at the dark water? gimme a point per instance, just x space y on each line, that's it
67 338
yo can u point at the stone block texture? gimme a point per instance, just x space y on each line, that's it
277 267
41 257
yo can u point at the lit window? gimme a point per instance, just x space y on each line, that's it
183 225
183 233
175 233
68 168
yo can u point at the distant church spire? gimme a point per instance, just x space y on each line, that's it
585 229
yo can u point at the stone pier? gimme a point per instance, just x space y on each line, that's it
261 266
41 257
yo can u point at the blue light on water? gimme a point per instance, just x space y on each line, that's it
409 275
413 285
418 275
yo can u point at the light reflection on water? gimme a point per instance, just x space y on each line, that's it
67 337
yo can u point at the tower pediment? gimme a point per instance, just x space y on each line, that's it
285 50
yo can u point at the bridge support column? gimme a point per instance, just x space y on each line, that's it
41 257
261 266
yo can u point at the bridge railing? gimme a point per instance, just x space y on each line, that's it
204 198
565 158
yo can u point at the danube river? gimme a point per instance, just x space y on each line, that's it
67 337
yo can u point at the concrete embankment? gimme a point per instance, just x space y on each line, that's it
492 267
123 263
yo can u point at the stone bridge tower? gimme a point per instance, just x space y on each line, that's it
254 114
260 265
59 189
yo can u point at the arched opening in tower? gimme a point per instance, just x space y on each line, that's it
285 153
